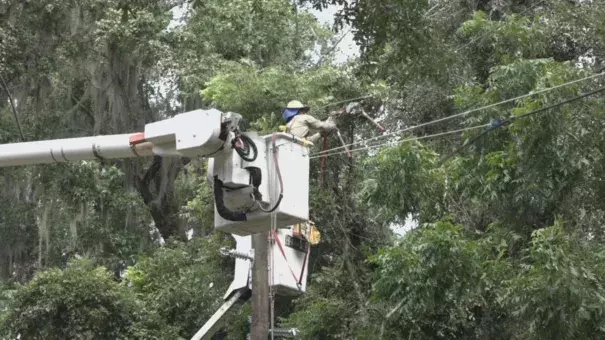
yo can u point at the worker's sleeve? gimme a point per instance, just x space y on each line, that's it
314 138
317 124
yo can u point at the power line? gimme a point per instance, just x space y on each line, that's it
493 125
321 58
460 114
406 140
512 118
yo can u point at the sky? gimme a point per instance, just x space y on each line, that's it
347 48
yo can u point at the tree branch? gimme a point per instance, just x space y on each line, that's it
10 99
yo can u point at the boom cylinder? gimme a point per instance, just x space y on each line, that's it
197 133
73 149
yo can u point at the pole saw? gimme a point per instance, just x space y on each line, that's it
351 110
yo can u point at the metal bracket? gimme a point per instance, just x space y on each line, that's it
237 254
285 332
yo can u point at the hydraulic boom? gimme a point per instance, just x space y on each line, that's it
191 134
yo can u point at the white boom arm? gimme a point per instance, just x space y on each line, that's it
190 134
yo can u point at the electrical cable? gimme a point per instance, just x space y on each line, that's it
512 118
406 140
493 125
321 59
439 120
244 151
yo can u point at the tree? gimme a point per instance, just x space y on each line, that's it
79 302
509 234
185 283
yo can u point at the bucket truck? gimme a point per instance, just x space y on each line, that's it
252 177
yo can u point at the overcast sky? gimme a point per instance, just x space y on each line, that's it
347 48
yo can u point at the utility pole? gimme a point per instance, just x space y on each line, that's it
260 287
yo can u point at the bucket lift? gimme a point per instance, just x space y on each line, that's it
247 189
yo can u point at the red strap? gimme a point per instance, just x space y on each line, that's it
323 161
281 248
137 138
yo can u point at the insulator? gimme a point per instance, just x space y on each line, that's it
236 254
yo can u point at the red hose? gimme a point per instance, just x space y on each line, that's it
323 161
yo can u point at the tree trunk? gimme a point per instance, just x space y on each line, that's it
156 188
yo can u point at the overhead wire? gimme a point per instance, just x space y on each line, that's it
492 126
464 113
406 140
513 118
321 58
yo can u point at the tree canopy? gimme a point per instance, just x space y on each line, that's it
504 234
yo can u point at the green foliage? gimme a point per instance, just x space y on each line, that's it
444 284
517 37
509 241
81 301
321 318
433 279
257 93
558 290
184 283
404 181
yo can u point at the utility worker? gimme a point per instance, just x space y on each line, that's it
300 124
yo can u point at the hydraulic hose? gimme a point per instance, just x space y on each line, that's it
281 182
247 146
222 210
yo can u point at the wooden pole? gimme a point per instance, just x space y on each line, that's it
260 287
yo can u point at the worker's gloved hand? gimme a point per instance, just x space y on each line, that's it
339 112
